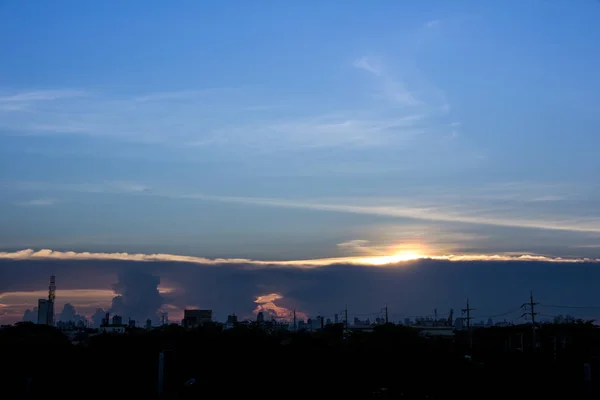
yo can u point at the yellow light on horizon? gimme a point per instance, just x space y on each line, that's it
396 258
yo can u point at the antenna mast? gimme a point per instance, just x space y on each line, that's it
51 297
52 289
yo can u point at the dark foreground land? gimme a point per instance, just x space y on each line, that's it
39 362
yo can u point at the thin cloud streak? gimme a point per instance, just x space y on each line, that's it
47 254
41 95
321 132
113 187
37 202
392 89
174 118
426 214
434 206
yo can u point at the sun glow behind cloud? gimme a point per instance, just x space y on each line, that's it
85 300
395 258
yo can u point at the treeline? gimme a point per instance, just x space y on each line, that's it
245 362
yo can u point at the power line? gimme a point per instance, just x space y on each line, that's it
547 315
501 314
573 307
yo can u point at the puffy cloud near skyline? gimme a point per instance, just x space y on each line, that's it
138 296
69 313
266 304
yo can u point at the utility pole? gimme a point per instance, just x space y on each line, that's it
468 318
346 319
295 320
385 310
531 305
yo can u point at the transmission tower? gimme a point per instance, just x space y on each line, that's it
51 298
468 318
531 307
346 319
385 311
295 324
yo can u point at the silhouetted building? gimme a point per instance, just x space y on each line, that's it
263 317
105 320
195 318
148 324
46 307
232 321
314 324
117 325
459 324
43 307
111 328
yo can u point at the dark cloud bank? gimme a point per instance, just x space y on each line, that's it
409 288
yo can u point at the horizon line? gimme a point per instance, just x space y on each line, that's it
372 261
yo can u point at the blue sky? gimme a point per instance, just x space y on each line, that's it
280 130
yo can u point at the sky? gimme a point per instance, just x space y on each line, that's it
286 131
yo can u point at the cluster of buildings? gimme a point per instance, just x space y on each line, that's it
193 318
116 325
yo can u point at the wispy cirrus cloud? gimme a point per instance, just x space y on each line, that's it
37 202
430 210
40 95
389 88
443 213
322 132
28 102
368 65
218 118
510 204
355 244
406 90
115 187
210 118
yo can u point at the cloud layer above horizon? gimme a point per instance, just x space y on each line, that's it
143 290
298 138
